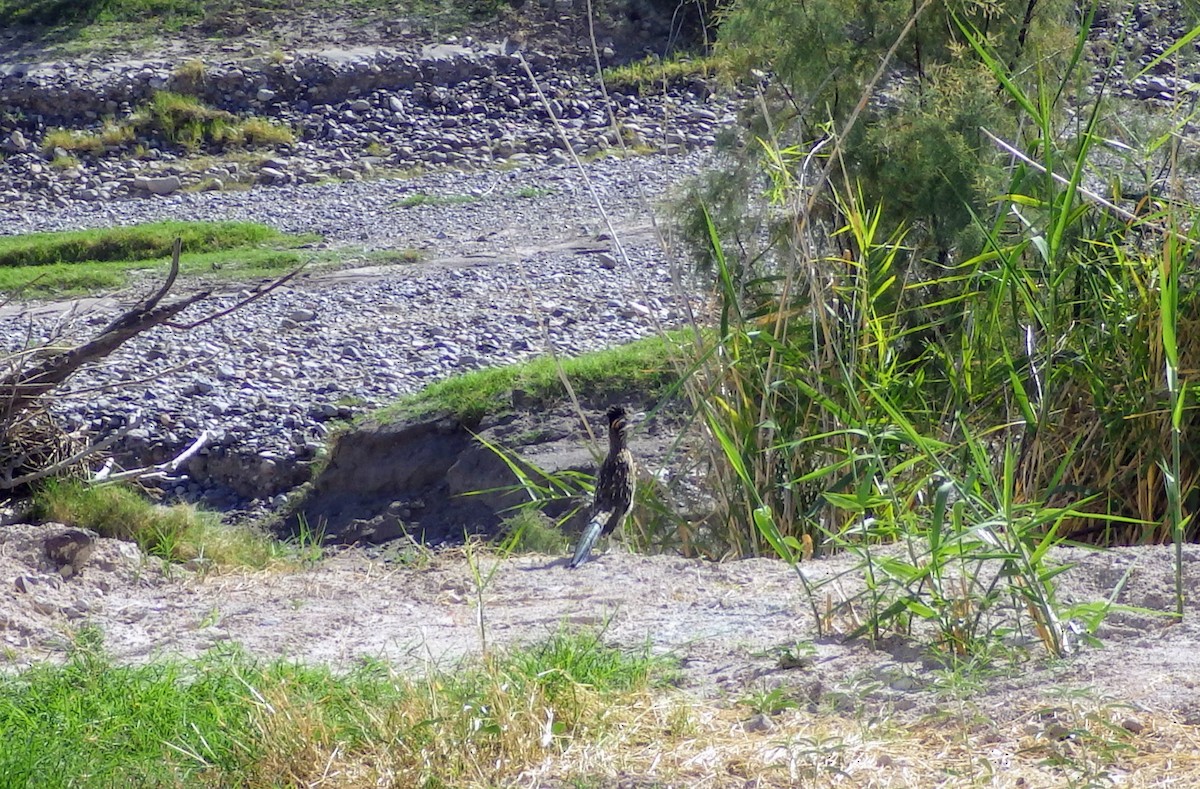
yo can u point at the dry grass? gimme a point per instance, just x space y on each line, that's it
178 533
1083 745
671 739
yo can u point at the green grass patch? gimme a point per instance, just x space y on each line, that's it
424 198
179 119
64 162
186 121
135 242
408 255
643 366
183 119
258 132
227 719
394 257
168 14
529 530
72 140
177 533
87 260
88 26
653 72
532 192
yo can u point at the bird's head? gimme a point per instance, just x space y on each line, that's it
621 420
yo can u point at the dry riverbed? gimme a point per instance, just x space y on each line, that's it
1126 712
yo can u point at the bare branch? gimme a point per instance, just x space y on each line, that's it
252 297
36 371
30 384
1095 198
172 275
103 477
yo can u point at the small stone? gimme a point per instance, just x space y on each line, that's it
70 549
16 142
162 185
1056 731
759 723
301 315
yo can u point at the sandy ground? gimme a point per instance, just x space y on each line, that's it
732 625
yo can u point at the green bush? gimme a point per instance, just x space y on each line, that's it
914 145
54 13
949 416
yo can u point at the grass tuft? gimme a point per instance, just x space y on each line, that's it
229 719
654 72
73 141
642 366
531 531
84 260
424 198
178 533
264 133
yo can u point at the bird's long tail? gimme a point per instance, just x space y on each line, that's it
587 541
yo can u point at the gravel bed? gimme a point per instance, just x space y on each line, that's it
509 275
371 213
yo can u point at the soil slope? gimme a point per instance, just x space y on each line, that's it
728 623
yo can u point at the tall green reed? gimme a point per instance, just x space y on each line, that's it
950 422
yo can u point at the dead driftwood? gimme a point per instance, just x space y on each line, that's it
24 387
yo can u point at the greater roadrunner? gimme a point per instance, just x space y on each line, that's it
614 486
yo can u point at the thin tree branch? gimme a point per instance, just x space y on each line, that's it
253 297
1095 198
172 275
159 470
30 384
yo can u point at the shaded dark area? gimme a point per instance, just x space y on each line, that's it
412 477
637 27
50 12
433 479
